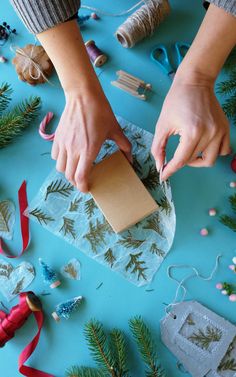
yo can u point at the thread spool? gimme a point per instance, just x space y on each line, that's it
10 323
143 22
97 57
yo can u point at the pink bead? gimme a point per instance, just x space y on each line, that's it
232 184
224 292
232 297
232 267
94 16
219 286
212 212
204 232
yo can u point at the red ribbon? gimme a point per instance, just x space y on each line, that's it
11 322
24 222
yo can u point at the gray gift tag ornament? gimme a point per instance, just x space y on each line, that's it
203 342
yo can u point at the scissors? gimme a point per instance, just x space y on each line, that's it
161 57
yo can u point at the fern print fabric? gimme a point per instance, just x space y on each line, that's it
136 253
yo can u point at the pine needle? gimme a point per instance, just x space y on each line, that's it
5 96
5 215
119 352
146 347
76 371
59 187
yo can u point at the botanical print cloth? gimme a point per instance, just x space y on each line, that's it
136 253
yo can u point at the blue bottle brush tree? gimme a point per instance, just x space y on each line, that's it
49 275
65 309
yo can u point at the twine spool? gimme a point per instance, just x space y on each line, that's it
97 57
143 22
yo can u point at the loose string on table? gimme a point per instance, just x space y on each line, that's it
181 283
24 222
120 14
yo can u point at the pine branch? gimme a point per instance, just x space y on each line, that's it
228 221
59 187
19 286
156 250
6 270
119 352
137 166
153 223
74 205
109 257
68 227
230 63
90 207
229 108
204 339
130 242
76 371
165 205
146 347
70 270
12 123
151 181
5 215
138 139
98 346
5 96
229 364
41 216
232 200
136 265
97 233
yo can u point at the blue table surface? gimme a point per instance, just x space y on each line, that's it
194 192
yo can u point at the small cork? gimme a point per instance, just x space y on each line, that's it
55 284
55 316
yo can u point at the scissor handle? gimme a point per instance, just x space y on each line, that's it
181 50
160 56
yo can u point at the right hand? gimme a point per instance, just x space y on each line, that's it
87 121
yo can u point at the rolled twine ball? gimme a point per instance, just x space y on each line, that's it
143 22
32 64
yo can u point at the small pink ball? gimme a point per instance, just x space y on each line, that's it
224 292
204 232
232 184
219 286
212 212
232 297
94 16
232 267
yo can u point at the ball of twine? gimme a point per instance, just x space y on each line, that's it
143 22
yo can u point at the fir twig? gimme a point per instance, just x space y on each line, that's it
156 250
204 339
74 205
165 205
229 364
98 346
59 187
68 227
130 242
136 265
151 180
119 352
153 223
5 96
109 257
228 221
97 233
76 371
13 122
41 216
146 347
19 286
5 215
90 207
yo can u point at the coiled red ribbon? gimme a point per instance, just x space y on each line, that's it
24 222
10 323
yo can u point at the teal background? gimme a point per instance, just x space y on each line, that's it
194 192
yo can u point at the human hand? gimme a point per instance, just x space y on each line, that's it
87 121
192 111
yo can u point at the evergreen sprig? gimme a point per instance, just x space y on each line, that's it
76 371
119 352
204 339
228 87
14 121
98 345
68 227
41 216
5 215
146 347
59 187
227 220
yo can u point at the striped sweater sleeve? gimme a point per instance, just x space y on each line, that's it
228 5
40 15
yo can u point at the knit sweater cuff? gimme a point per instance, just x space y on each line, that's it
228 5
40 15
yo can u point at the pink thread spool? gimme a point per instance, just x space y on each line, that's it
42 127
97 57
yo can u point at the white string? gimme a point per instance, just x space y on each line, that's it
104 13
181 283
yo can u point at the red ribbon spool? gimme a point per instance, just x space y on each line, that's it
10 323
